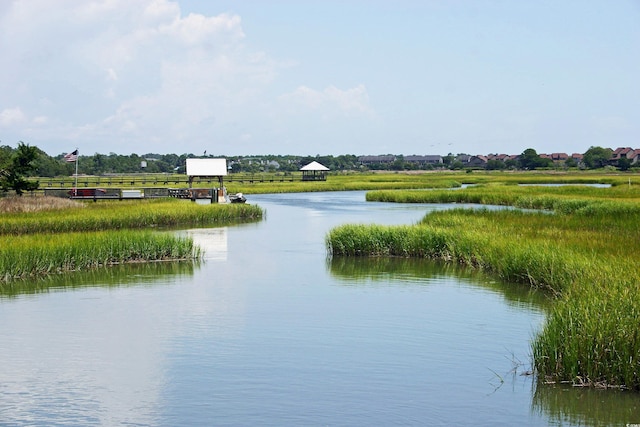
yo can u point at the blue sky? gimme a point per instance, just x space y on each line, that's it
320 77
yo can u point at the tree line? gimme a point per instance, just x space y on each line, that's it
25 161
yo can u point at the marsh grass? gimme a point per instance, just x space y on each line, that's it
36 204
55 238
584 252
127 214
40 254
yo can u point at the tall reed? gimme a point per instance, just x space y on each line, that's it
69 239
127 214
39 254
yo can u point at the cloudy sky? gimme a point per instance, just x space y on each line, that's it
330 77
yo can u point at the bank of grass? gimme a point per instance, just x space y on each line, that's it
584 252
59 236
35 255
35 204
113 215
337 181
352 182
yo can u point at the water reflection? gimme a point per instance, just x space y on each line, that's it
575 184
566 405
113 276
361 270
94 356
212 241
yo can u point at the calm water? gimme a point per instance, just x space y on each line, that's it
268 331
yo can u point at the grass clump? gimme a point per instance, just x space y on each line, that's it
127 214
36 204
45 237
584 252
37 254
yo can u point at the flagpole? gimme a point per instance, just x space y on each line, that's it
76 184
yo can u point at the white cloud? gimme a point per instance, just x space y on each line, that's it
349 102
40 120
12 116
125 71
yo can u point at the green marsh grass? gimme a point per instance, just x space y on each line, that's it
35 255
89 235
582 247
127 214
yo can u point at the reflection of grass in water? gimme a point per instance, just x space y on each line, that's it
586 253
584 406
363 270
115 276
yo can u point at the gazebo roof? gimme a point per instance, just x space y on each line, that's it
314 166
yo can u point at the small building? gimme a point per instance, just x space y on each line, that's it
314 171
371 160
478 161
208 168
424 160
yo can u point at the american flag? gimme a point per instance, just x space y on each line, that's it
71 157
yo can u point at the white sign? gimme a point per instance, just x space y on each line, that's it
206 167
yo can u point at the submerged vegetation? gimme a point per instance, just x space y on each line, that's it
581 244
40 236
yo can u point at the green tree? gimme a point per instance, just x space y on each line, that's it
570 163
529 159
624 164
511 163
495 164
597 157
14 168
456 165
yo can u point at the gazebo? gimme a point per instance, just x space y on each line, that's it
208 168
314 171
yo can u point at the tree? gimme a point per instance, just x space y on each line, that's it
624 164
529 159
16 166
456 165
511 163
571 163
494 164
597 157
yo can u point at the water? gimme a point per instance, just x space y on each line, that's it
595 185
267 330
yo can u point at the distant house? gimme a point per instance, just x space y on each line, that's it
559 157
625 152
501 157
464 158
424 160
478 161
314 171
371 160
621 152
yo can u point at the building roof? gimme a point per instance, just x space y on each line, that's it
314 166
377 159
206 167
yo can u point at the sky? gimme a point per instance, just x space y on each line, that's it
321 77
